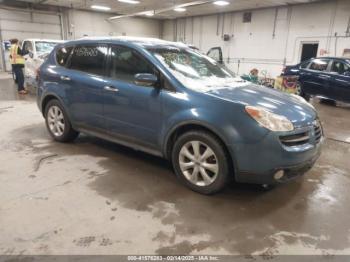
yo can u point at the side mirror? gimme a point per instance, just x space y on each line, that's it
145 79
31 55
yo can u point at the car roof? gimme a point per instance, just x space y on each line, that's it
44 40
333 57
140 41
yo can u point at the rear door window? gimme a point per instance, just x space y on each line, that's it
89 59
28 46
125 63
319 65
62 55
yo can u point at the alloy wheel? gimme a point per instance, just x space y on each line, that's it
198 163
56 121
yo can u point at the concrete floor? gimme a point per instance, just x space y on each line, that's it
95 197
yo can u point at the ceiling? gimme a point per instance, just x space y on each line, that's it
166 6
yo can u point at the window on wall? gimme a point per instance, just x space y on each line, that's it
319 65
126 63
89 58
62 55
247 17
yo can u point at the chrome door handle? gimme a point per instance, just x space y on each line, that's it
65 78
325 76
111 89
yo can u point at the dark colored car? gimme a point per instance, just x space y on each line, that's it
171 101
328 77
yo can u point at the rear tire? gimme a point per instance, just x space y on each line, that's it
201 162
300 92
327 101
58 123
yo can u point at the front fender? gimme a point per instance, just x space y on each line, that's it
201 117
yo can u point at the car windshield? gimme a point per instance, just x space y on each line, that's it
196 71
44 47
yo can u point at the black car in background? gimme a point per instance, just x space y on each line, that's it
327 77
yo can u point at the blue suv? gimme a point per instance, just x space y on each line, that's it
169 100
328 77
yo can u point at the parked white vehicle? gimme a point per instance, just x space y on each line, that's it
38 50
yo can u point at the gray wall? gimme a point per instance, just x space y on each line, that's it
24 24
69 24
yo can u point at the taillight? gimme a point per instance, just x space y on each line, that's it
283 70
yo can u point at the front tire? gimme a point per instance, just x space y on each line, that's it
58 124
201 162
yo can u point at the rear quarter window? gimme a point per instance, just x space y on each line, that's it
62 55
89 58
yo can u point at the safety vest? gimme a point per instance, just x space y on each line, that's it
15 58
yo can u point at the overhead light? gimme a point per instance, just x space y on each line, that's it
221 3
134 2
180 9
149 13
100 7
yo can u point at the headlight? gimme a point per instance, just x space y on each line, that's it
269 120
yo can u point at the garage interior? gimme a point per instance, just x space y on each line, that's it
94 197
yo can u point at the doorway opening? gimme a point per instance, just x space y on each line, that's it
308 51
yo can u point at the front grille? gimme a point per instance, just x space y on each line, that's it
310 135
317 132
295 140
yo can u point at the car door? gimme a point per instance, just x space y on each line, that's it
340 81
83 80
28 48
216 54
315 78
133 112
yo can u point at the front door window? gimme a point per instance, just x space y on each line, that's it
126 63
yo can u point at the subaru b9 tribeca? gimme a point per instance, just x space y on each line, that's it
169 100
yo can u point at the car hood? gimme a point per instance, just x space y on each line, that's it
294 108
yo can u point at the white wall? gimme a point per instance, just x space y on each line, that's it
254 45
82 23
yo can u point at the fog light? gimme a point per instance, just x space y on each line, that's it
279 175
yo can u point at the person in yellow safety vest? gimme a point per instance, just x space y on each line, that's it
17 62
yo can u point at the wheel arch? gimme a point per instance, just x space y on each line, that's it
47 98
45 101
50 96
182 128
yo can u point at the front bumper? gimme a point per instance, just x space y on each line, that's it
290 172
258 163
